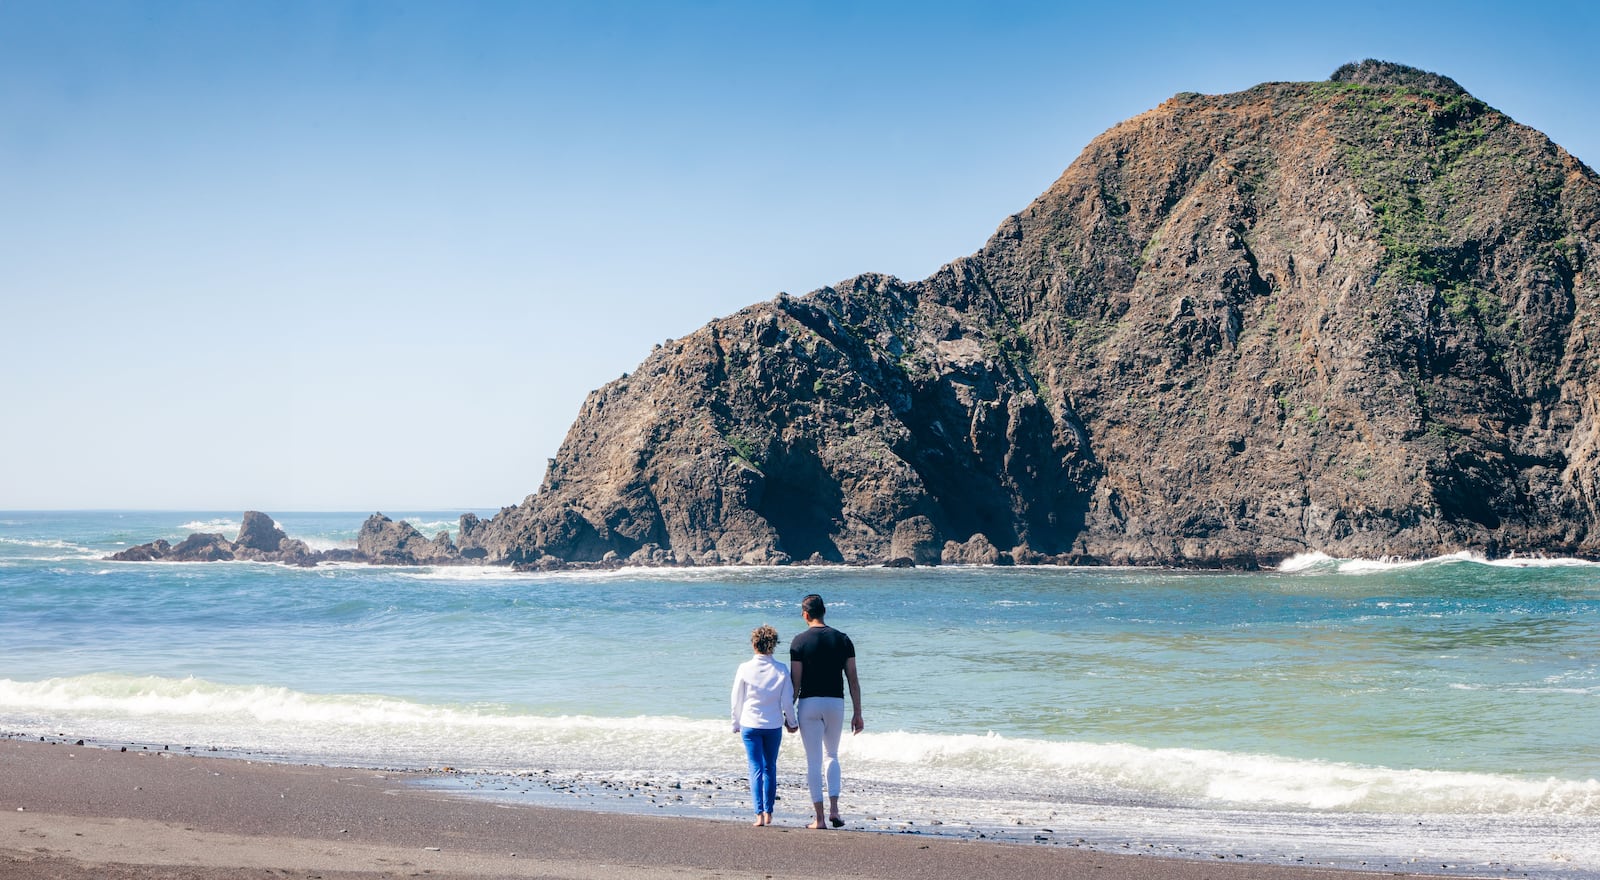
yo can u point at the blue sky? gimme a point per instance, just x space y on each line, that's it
357 256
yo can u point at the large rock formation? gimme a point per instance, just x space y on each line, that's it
1350 316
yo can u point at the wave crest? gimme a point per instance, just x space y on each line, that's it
1317 562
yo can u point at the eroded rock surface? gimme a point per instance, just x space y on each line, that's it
387 542
1351 316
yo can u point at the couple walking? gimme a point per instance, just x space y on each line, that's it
812 702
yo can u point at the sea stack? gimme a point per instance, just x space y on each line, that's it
1350 316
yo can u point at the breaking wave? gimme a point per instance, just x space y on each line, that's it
368 729
1322 563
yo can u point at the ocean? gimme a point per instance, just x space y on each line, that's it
1441 715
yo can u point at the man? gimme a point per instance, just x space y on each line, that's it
821 661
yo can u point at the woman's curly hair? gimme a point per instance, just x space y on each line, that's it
764 638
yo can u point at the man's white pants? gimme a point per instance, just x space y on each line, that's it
821 724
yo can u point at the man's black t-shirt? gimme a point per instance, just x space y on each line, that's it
823 651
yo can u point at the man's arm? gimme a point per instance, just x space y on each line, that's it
794 674
856 723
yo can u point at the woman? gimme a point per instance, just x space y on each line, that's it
763 698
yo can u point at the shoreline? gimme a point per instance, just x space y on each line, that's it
70 811
382 541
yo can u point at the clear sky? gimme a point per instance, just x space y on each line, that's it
373 255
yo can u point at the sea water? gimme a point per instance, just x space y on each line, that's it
1441 715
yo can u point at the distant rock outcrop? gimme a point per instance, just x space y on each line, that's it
259 540
975 551
260 533
381 540
918 540
1355 316
386 542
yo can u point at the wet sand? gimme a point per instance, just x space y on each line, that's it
75 812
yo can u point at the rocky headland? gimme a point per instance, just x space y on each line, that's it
1349 316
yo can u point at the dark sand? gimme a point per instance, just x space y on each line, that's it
76 812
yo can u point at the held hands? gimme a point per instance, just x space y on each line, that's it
792 728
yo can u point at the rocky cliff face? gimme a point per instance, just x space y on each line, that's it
1350 316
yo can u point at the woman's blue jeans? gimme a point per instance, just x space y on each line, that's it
761 746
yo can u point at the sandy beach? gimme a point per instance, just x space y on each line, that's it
70 812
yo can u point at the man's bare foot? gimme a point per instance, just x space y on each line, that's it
818 825
836 821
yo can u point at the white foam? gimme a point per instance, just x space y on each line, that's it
321 544
1306 561
210 526
497 737
1363 566
356 728
463 573
1321 562
74 552
1226 778
693 574
46 544
431 528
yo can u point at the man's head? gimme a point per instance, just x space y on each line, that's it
811 608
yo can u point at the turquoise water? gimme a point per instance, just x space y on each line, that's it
1333 695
